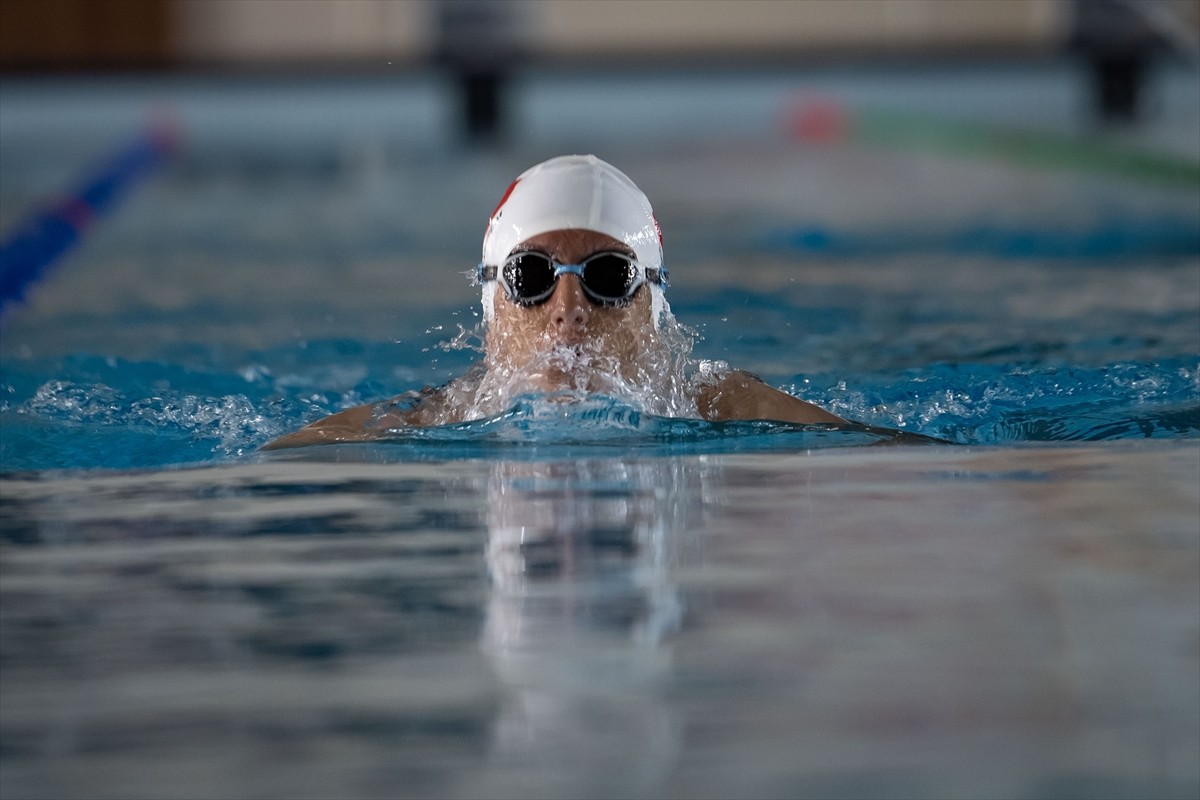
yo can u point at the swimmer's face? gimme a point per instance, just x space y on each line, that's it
568 319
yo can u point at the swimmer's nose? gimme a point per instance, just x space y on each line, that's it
569 307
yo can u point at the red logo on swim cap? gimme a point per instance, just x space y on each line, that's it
504 199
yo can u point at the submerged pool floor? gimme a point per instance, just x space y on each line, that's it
605 603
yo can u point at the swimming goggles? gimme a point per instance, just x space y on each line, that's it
607 278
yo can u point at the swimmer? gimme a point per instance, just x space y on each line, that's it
573 304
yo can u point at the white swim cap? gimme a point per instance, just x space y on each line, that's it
574 192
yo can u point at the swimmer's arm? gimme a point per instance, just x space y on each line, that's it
742 395
358 424
369 422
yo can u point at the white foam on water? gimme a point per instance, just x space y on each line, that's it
660 380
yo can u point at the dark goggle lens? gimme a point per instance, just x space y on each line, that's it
529 276
609 277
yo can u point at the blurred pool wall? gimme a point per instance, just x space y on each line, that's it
363 86
490 61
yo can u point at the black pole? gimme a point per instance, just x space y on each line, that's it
479 40
1117 42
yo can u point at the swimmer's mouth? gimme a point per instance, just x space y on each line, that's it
569 360
574 354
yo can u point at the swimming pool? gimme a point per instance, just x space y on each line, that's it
599 602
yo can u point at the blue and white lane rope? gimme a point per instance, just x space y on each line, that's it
40 240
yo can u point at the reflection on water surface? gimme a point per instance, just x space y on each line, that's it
912 622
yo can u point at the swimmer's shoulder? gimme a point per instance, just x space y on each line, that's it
737 394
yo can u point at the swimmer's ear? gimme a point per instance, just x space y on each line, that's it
487 301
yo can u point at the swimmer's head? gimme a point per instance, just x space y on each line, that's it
580 193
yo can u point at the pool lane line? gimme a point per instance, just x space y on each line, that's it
42 238
834 123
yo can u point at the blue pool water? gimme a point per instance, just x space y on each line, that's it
589 600
87 410
259 281
203 342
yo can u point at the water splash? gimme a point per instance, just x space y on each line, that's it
227 422
997 403
570 424
661 377
110 413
